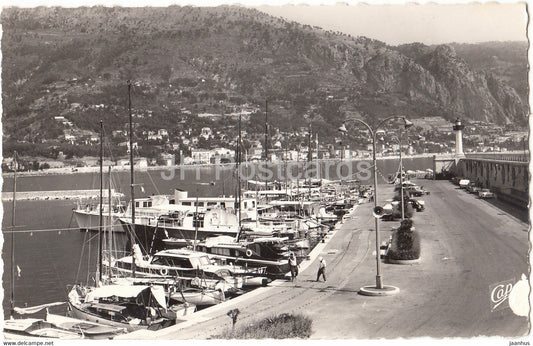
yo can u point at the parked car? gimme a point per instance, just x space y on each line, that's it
417 204
486 193
412 190
463 183
455 180
473 188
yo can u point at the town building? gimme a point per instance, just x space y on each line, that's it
201 156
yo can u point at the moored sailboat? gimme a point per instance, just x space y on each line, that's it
90 330
28 328
35 328
131 307
128 306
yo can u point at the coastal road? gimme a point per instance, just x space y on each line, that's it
468 246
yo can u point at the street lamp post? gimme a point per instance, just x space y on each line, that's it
379 279
402 206
401 181
379 289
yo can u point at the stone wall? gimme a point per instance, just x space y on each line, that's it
508 179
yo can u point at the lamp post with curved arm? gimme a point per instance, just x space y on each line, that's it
399 140
379 289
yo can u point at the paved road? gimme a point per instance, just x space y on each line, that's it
467 246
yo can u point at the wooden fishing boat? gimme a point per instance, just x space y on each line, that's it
199 297
35 328
90 330
131 307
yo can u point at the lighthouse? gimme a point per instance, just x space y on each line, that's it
458 128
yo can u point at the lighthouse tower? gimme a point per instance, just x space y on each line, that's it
458 128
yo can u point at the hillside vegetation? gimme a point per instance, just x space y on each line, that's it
187 60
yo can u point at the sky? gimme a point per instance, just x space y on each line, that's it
392 22
429 23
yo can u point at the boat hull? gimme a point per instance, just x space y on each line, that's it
90 330
36 329
192 280
151 236
79 313
46 334
91 221
199 298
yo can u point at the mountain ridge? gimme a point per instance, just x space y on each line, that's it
65 62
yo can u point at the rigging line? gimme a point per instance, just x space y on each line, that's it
153 182
93 181
386 179
81 257
88 257
358 172
148 173
114 250
56 272
131 229
88 264
71 218
116 187
107 145
110 155
91 238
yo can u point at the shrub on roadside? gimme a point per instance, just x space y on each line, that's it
283 326
405 243
406 225
407 209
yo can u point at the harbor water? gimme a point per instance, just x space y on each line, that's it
51 253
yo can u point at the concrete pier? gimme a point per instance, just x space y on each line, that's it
506 175
468 246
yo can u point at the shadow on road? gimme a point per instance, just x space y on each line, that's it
519 213
318 287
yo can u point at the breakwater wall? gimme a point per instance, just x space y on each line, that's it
506 176
58 195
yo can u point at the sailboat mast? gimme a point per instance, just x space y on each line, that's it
310 148
266 140
101 219
13 233
109 230
196 221
132 182
285 168
237 167
298 171
239 178
317 160
309 159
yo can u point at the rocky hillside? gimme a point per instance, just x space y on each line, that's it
480 94
507 60
187 60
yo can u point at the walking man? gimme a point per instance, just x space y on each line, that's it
321 269
293 264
